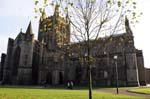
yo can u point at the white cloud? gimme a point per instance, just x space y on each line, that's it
24 11
17 7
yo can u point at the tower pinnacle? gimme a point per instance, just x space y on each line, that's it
127 27
43 14
56 13
29 29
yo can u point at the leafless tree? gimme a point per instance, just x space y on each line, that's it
91 19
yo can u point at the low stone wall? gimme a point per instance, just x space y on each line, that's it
147 75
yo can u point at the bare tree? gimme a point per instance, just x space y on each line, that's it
91 19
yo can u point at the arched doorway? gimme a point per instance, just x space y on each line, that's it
61 81
16 60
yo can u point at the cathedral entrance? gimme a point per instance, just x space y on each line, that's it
61 78
58 77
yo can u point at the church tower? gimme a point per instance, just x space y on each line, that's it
129 38
24 75
54 30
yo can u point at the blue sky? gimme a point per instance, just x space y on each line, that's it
16 14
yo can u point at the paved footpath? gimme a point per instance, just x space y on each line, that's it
124 91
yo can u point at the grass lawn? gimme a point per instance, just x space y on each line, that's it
31 93
141 90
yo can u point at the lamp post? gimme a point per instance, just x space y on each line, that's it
115 58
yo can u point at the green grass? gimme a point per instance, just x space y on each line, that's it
141 90
31 93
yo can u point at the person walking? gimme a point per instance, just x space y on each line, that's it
68 85
71 85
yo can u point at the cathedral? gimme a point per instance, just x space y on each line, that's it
53 59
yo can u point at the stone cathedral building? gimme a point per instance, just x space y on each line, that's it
29 61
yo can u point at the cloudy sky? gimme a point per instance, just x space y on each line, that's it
16 14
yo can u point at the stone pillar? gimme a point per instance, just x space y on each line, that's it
7 65
132 72
141 69
3 56
55 77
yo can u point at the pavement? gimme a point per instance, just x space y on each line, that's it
125 92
